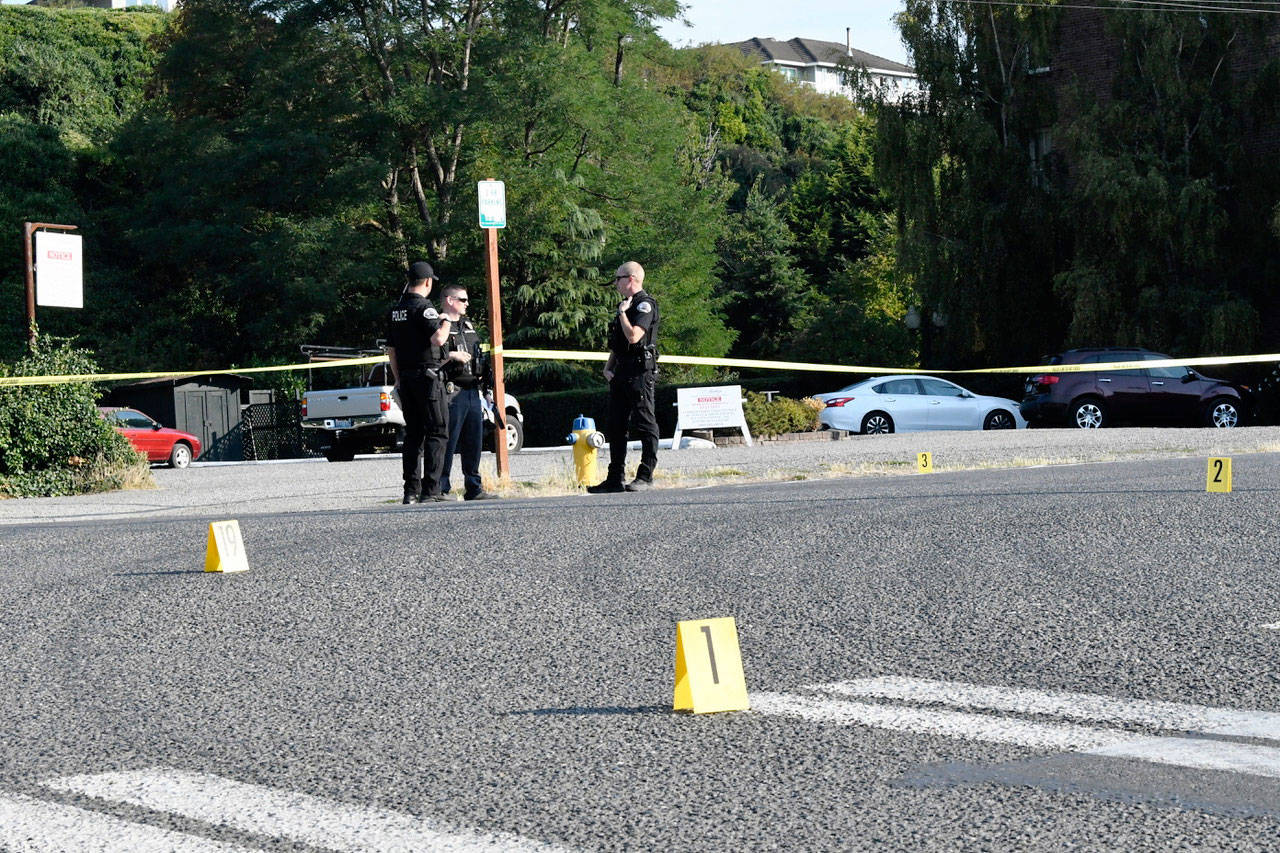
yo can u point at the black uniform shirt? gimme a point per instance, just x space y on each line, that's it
631 358
410 325
464 337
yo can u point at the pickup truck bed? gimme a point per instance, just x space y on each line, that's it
369 419
357 420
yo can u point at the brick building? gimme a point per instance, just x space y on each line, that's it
1086 61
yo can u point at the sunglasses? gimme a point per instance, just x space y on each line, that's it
460 298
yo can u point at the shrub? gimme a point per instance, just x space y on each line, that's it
52 440
780 415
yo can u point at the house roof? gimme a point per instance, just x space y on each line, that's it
810 51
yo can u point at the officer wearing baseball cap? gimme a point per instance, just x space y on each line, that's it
416 336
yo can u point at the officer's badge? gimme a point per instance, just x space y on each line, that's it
467 327
430 313
644 307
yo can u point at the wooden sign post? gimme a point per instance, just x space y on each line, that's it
492 199
28 232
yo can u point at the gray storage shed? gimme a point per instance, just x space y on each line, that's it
207 406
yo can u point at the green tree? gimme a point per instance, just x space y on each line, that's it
978 223
38 185
68 82
237 208
769 300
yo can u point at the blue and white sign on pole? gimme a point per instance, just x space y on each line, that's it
493 204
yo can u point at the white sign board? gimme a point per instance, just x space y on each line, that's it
59 272
707 408
493 204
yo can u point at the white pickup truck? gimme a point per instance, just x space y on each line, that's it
368 418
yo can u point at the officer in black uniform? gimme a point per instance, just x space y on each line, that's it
632 372
416 336
465 372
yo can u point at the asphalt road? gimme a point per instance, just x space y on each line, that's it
501 673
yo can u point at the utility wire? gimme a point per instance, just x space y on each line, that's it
1196 6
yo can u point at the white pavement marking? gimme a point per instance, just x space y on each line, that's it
28 825
1072 706
1197 753
1061 736
1200 755
272 812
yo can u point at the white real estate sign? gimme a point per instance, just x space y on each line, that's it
59 270
706 408
492 196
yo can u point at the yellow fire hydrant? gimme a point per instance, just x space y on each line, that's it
586 448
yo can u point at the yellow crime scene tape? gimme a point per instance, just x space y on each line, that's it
570 355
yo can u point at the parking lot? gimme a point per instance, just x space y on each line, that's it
1060 655
304 485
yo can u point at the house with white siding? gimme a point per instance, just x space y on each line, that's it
823 65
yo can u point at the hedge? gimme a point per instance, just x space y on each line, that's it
52 439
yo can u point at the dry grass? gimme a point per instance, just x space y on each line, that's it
562 481
137 477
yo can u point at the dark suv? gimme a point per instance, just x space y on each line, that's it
1093 399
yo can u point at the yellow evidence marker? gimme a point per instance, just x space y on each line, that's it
225 551
709 667
1219 477
924 462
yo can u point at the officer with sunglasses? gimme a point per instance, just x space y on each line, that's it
632 373
465 374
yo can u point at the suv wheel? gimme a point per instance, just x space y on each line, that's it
877 423
1222 413
999 419
1088 413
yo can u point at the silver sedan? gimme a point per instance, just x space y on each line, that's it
915 403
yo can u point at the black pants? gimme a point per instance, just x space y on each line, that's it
426 425
466 431
631 404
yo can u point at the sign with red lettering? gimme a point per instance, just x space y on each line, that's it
707 408
59 271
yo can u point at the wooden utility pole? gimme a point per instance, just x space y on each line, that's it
28 233
495 332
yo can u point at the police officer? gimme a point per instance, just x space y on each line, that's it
464 372
631 371
416 336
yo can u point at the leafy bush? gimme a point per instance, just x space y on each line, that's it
780 415
52 440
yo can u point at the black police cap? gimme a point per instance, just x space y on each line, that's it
420 270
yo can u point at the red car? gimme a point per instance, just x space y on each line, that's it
160 444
